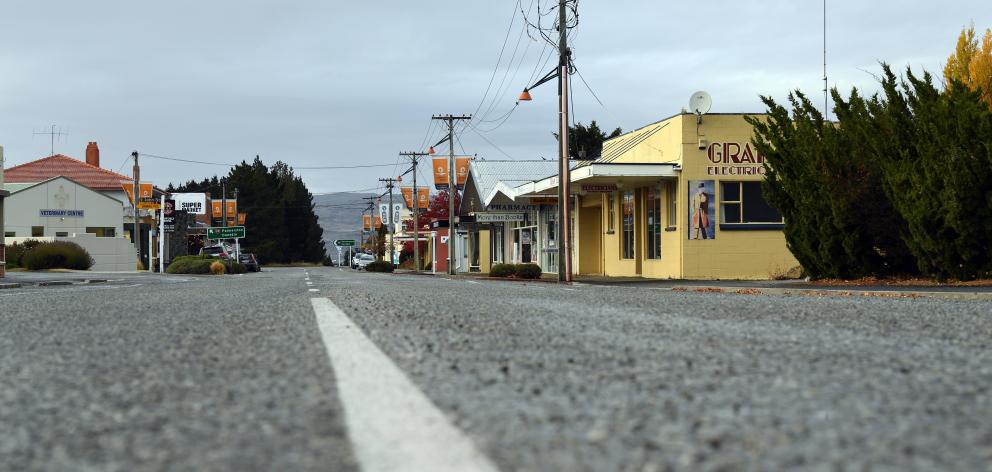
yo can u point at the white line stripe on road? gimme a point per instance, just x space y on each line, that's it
392 425
314 290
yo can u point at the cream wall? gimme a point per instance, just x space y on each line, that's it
23 209
739 254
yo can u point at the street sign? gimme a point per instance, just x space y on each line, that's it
169 216
344 242
230 232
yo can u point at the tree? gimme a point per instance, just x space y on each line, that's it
438 207
281 225
971 63
586 142
900 184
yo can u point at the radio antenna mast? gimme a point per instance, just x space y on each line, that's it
826 93
53 133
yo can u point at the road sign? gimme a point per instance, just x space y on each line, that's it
230 232
344 242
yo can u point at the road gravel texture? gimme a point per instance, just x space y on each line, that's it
612 378
221 373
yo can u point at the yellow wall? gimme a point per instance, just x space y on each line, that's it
743 254
485 258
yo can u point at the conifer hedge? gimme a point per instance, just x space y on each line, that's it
900 184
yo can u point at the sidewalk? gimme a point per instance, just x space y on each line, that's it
757 287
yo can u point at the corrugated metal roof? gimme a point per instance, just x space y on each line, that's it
488 174
61 165
618 146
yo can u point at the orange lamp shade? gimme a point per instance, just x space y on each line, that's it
431 151
525 96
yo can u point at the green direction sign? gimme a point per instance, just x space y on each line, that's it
344 242
230 232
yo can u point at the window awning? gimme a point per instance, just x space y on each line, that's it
603 174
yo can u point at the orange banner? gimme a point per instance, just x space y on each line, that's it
378 222
146 190
423 198
366 222
217 208
440 165
242 217
407 196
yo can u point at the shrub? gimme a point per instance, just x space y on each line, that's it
503 270
379 266
56 255
235 267
190 265
203 265
528 271
217 268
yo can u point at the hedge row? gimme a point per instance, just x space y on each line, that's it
379 266
37 255
898 185
201 265
520 271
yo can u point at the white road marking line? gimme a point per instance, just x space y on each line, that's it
309 283
392 425
314 290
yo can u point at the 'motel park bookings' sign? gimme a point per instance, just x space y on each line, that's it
734 159
230 232
61 213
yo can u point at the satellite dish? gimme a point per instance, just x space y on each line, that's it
700 103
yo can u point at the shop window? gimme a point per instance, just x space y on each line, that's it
9 234
37 231
61 234
611 212
673 209
496 245
627 215
653 227
743 203
102 232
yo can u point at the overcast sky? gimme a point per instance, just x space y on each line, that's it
323 83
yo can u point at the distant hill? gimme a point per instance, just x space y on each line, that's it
340 216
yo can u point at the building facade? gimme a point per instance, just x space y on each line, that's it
496 225
677 199
3 246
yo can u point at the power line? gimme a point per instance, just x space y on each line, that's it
192 161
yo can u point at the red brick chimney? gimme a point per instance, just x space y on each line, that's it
93 154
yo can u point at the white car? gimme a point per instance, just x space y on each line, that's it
364 260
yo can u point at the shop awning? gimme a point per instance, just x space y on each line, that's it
603 174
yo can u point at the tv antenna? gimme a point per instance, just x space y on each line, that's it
700 104
53 133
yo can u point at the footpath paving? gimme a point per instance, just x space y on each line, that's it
799 288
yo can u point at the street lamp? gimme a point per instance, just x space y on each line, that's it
564 192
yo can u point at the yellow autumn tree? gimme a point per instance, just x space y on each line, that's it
971 63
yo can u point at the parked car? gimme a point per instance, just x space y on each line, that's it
216 251
364 260
354 260
250 262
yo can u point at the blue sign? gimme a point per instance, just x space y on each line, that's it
61 213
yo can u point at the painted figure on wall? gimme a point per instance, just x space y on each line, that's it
701 209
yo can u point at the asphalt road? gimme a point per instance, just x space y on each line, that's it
231 373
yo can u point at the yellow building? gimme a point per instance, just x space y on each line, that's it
679 199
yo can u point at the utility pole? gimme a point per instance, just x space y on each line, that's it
136 194
564 173
392 224
451 185
237 242
416 208
223 202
